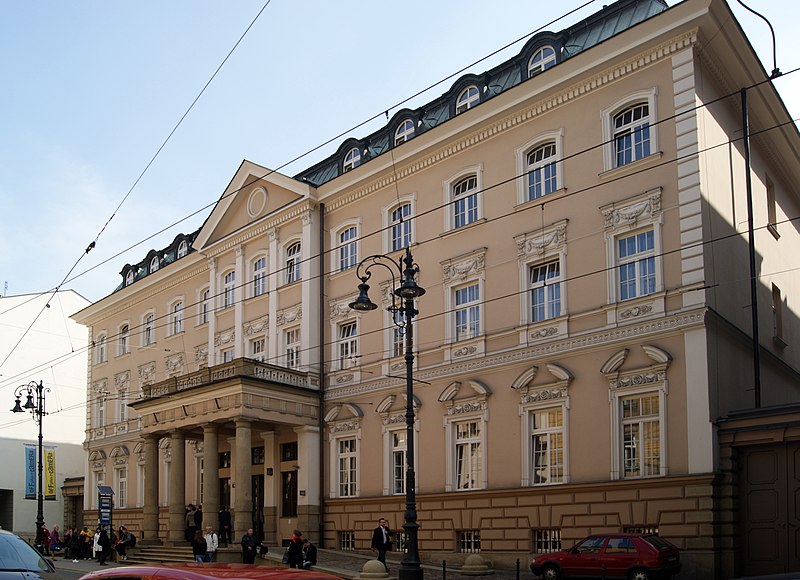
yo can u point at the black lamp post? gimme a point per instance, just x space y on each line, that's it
34 393
410 567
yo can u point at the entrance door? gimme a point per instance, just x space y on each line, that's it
289 494
770 509
258 507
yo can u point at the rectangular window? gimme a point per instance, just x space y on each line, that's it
348 255
204 307
467 312
100 345
229 289
545 291
636 265
398 334
289 451
100 415
347 467
293 348
777 313
546 540
257 456
347 541
123 405
772 209
641 435
547 445
227 355
257 348
468 455
224 459
260 277
121 495
348 345
399 448
469 541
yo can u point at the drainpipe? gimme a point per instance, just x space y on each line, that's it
321 417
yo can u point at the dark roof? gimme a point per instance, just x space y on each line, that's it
591 31
165 257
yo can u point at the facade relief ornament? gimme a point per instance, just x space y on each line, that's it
100 389
467 407
394 419
201 354
290 315
537 245
463 267
258 326
147 373
545 394
644 208
635 311
344 427
174 363
344 379
542 333
340 310
240 250
212 263
632 380
465 351
225 337
121 379
272 234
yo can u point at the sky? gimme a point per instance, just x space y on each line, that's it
92 90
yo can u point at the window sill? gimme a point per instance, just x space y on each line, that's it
558 193
779 342
629 167
773 229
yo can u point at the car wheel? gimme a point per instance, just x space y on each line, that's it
639 575
551 572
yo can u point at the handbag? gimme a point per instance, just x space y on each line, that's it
285 557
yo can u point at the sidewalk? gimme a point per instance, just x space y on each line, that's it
82 566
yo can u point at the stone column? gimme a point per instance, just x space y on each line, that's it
210 476
243 500
177 489
150 483
271 488
308 487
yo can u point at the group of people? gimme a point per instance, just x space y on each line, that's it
300 553
83 544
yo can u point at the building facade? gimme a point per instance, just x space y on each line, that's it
584 357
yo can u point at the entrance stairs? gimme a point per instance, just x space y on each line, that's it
159 555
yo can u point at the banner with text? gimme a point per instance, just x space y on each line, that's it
50 473
30 472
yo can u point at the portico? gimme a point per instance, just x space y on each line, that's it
223 428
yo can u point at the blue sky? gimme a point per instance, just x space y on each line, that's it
92 89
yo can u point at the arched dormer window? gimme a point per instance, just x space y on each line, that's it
183 249
352 159
154 264
129 277
404 132
541 60
467 99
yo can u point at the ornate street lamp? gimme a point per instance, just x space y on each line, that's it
410 566
34 393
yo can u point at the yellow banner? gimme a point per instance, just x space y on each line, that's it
50 474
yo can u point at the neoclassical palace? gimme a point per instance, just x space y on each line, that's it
584 353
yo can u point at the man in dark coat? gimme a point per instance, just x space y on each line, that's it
382 541
309 554
225 526
198 518
249 547
105 545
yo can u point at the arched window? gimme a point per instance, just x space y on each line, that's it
177 318
100 349
260 276
404 132
465 201
541 168
229 289
467 99
154 264
542 59
348 248
352 159
401 227
293 258
123 345
183 249
129 277
149 330
204 306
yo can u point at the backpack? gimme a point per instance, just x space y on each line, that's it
133 540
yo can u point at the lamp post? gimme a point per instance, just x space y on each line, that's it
34 393
410 566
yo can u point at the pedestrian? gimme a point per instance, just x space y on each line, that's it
96 544
212 543
190 526
46 540
104 541
249 547
87 538
199 547
382 541
77 546
309 554
225 526
295 550
124 541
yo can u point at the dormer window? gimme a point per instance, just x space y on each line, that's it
183 249
542 60
404 132
352 159
467 99
129 278
154 264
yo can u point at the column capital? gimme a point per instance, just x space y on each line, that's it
210 428
242 422
306 429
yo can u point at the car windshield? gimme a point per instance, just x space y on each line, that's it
659 542
16 554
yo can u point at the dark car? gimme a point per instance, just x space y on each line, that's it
630 556
18 559
206 572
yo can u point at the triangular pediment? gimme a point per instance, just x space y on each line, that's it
254 194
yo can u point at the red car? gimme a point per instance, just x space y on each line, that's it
191 571
630 556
